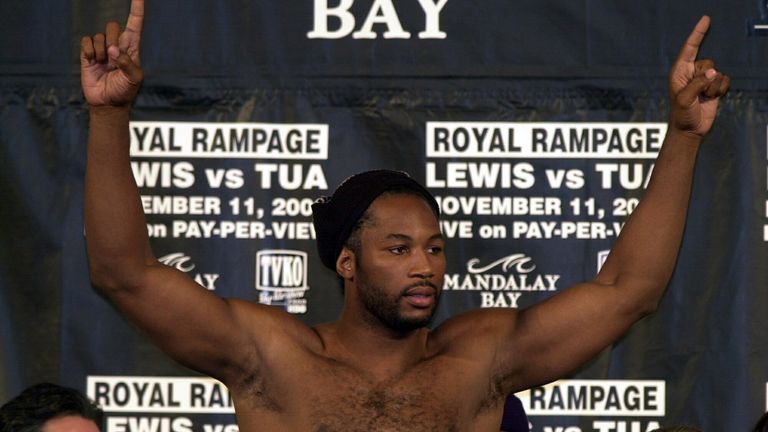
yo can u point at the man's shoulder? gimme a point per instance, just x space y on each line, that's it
269 322
470 329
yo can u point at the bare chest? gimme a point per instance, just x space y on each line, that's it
410 403
433 396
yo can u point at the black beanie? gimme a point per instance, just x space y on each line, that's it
335 217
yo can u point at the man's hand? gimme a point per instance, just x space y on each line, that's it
695 87
110 69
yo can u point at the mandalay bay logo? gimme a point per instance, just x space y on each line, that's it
501 282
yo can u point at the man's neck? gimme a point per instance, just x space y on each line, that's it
376 349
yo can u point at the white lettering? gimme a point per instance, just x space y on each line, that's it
380 12
163 174
463 175
291 177
181 205
432 25
341 12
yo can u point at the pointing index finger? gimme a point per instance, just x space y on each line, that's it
690 49
136 17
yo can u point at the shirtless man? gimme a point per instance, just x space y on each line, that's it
377 368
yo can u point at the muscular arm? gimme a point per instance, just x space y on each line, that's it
558 335
194 326
548 340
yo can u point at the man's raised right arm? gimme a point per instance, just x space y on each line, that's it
191 324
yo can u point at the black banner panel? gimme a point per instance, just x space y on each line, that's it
536 124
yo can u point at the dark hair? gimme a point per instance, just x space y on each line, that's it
29 411
353 241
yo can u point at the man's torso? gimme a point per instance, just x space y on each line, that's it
301 388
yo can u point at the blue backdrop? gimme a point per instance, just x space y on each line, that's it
536 123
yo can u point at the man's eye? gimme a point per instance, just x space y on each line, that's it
435 250
398 250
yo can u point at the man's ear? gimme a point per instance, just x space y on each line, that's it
345 264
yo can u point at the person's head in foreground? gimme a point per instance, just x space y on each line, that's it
50 408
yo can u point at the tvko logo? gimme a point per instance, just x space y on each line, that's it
381 12
281 278
182 262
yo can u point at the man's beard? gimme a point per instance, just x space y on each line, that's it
386 309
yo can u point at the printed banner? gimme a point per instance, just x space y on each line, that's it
536 126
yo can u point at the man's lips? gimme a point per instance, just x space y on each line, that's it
421 296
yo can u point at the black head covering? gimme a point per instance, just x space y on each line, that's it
335 217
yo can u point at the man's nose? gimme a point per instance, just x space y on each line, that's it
423 265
